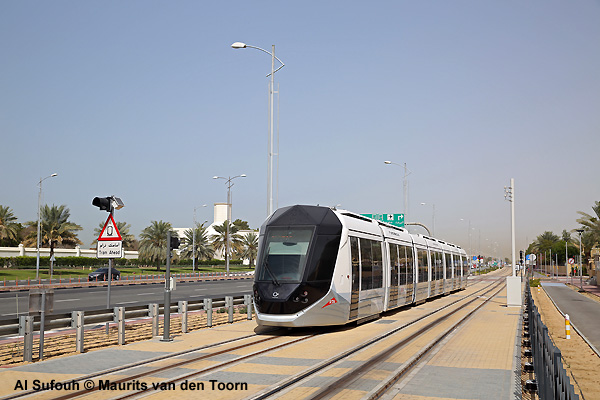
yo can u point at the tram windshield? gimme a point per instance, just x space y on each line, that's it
284 255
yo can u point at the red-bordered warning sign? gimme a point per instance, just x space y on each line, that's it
110 231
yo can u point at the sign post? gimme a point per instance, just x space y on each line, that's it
110 245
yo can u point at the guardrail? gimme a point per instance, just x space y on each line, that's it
551 380
26 325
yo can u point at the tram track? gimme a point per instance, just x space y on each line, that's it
334 387
115 375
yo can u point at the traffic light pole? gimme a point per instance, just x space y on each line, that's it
110 264
167 307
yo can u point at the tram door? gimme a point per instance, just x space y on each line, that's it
355 278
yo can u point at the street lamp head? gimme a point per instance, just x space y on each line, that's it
387 162
238 45
54 174
215 177
243 175
423 204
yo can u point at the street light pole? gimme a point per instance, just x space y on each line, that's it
37 263
229 184
580 231
404 186
240 45
432 218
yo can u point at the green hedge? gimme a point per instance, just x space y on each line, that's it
26 262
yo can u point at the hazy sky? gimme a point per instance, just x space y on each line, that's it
146 100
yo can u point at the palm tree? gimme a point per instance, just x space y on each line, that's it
9 229
249 247
204 249
153 243
545 241
129 241
220 240
591 227
55 229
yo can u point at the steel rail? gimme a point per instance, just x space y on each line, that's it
321 366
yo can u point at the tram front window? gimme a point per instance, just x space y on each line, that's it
284 255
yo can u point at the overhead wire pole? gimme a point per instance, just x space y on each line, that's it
513 283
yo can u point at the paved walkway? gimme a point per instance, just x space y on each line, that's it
481 360
583 312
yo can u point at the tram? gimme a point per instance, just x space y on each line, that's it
320 266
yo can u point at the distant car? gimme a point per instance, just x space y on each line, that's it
101 274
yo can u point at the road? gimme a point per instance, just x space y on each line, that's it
90 298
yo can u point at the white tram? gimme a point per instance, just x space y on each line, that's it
321 266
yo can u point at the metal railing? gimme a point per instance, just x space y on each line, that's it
552 381
26 326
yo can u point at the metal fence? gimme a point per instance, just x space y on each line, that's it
28 325
551 378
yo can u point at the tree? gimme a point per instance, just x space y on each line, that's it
55 229
9 228
204 249
153 243
129 242
591 228
220 239
241 225
249 247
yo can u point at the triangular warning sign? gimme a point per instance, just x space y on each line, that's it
110 231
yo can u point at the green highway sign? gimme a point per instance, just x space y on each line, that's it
392 219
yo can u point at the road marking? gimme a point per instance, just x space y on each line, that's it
196 295
146 294
127 302
60 301
197 290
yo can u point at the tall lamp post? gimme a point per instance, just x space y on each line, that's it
404 185
229 183
37 263
580 231
194 240
432 218
240 45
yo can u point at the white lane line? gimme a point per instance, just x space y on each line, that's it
60 301
127 302
198 290
146 294
196 295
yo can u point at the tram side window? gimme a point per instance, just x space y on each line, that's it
394 265
422 259
403 261
409 265
449 266
366 258
377 265
325 252
439 266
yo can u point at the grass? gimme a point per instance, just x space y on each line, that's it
10 274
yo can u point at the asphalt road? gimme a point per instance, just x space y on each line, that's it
582 311
91 298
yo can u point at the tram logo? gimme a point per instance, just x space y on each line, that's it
275 294
330 302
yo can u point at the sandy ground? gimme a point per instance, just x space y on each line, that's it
580 361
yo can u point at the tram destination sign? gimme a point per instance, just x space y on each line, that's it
392 219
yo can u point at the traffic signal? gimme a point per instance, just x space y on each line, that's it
521 256
174 243
104 203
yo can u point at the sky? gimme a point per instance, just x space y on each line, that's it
146 100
